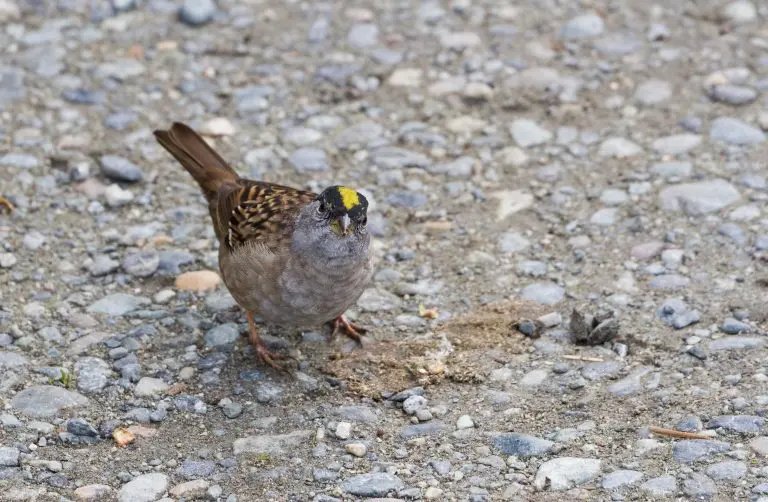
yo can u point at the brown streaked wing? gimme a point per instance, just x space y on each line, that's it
255 211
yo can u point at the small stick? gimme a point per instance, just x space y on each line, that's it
584 358
677 434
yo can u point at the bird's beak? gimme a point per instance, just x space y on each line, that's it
341 225
344 223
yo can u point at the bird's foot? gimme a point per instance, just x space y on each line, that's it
267 356
6 203
343 325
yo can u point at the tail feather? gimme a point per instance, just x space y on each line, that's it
197 157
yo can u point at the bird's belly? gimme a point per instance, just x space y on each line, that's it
296 296
310 301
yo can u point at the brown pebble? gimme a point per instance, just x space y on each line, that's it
201 280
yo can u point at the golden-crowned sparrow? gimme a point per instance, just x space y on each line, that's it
294 257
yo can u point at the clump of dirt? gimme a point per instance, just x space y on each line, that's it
456 350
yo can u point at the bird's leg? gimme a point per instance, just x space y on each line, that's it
5 202
266 355
343 325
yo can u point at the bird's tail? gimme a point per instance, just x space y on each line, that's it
198 158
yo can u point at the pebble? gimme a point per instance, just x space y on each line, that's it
198 281
528 133
521 445
197 12
145 488
120 169
692 450
735 132
619 148
543 293
46 401
564 473
742 424
662 486
653 92
148 387
374 484
584 26
344 430
620 478
698 198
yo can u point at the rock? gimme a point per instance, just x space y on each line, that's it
459 41
699 487
414 404
145 488
521 445
699 198
217 127
619 148
735 132
727 470
584 26
11 361
736 343
691 450
344 429
198 281
309 159
528 133
743 424
676 144
148 387
663 486
194 469
406 77
9 456
93 493
735 95
197 12
273 445
120 169
432 428
363 35
620 478
375 300
117 304
191 490
513 242
564 473
653 92
374 484
46 401
544 293
465 422
739 12
142 264
92 374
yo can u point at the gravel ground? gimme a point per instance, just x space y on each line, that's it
522 158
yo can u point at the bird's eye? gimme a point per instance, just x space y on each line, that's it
321 208
364 221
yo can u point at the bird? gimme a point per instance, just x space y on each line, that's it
294 257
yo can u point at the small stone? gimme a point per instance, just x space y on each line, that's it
464 422
93 493
564 473
9 456
543 293
692 450
620 478
198 281
653 92
584 26
528 133
743 424
219 126
374 484
145 488
120 169
117 304
739 12
521 445
148 387
197 12
702 197
663 486
46 401
735 132
406 77
619 148
513 242
191 490
343 430
357 449
699 487
309 159
414 404
142 264
727 470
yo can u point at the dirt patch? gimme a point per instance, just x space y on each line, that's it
457 350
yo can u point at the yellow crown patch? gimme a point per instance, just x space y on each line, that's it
349 198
